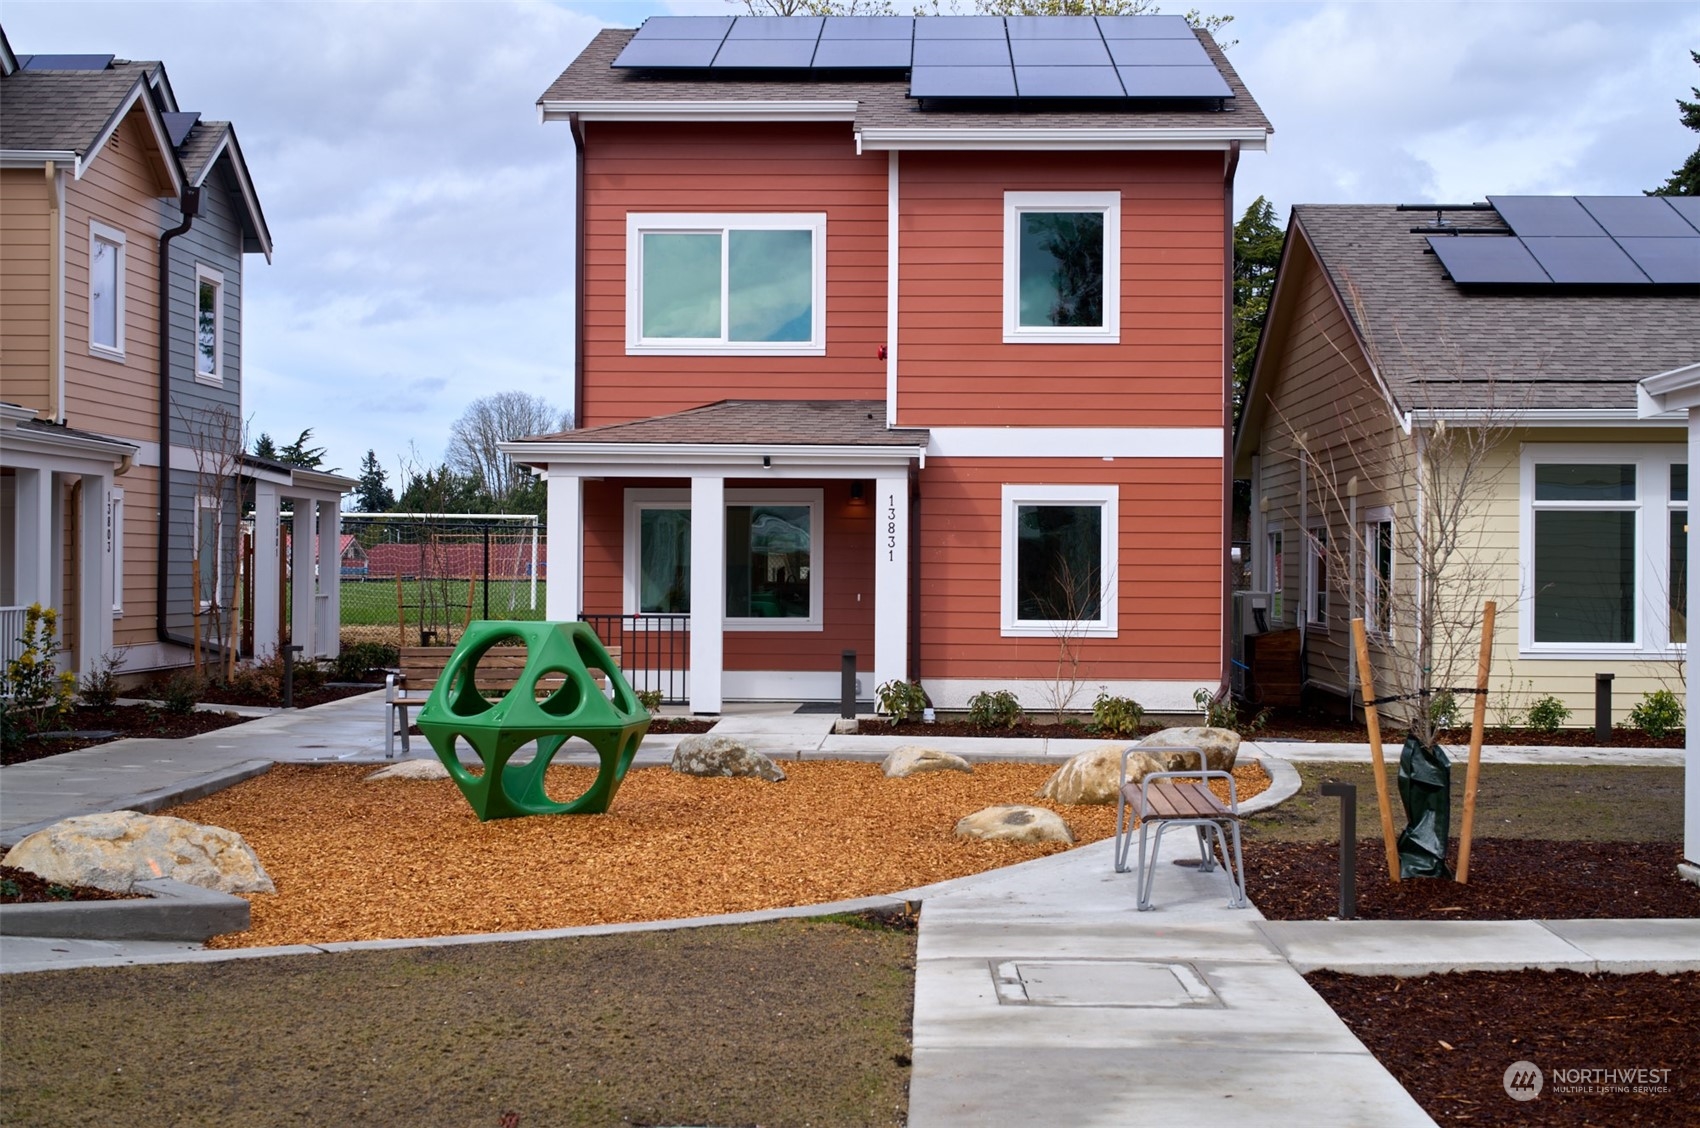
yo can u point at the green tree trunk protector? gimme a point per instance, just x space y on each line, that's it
570 704
1425 786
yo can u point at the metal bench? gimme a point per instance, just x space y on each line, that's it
1176 799
410 687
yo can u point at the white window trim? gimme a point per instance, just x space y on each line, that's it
1014 204
1652 463
637 500
639 224
1311 575
101 233
216 277
205 502
1107 498
1275 572
1374 595
115 547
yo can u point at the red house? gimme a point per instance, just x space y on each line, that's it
908 337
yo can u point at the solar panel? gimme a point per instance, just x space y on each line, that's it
684 27
863 54
961 53
1545 215
178 125
1595 260
1668 261
959 27
1486 259
1068 82
1146 27
868 27
668 53
961 82
67 62
1159 53
1052 27
765 54
1688 207
1059 52
775 27
1635 216
1174 82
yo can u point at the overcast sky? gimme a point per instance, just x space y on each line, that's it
422 217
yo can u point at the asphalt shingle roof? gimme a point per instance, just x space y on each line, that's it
198 147
1439 346
883 103
758 423
63 111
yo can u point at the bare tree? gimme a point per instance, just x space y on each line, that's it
218 437
1212 24
497 419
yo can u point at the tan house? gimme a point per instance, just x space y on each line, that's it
1443 411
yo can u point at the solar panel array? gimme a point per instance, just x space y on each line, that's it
64 62
1581 241
1069 57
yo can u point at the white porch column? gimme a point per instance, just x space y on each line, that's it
563 598
708 592
33 544
301 579
891 580
267 581
329 605
94 575
1691 771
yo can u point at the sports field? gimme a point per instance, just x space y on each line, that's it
373 602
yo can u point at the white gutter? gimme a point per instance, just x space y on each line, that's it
651 110
35 158
1554 416
1672 392
1033 137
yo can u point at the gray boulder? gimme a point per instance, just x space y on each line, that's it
1221 748
117 849
1009 822
1093 775
411 769
912 759
722 756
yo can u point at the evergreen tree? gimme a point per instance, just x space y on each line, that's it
1685 181
298 453
265 448
372 495
1257 254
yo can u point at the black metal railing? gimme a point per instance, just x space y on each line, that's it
655 651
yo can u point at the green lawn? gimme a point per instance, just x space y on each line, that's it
373 602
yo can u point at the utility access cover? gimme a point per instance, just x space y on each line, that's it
1101 983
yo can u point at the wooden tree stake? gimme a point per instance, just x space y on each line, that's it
195 612
1470 777
400 615
1366 681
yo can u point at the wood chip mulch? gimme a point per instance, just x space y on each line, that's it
399 858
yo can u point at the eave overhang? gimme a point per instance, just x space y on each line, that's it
1674 392
650 110
736 459
1107 138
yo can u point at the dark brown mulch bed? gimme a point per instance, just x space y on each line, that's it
1294 724
1449 1040
19 886
678 725
1510 879
114 722
1027 727
305 696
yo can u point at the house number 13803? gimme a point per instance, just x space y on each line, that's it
891 527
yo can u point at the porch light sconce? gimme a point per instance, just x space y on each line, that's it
856 492
767 462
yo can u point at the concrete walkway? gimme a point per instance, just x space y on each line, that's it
1042 996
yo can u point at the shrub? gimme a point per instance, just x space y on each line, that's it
1119 716
181 692
100 689
994 709
901 700
1547 714
1659 713
1443 709
650 699
355 658
1222 710
30 682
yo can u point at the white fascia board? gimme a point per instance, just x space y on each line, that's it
250 199
684 459
1075 442
834 110
21 439
322 480
35 158
1039 138
161 137
1551 416
1673 391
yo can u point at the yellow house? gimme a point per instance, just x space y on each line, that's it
1443 411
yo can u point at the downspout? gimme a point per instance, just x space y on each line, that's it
190 204
914 672
56 282
1227 647
578 132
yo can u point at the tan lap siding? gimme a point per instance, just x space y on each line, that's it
1169 574
26 312
635 167
954 367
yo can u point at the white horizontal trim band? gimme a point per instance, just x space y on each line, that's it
1075 442
834 110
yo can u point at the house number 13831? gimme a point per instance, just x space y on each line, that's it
891 527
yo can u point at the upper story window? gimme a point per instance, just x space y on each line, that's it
738 284
1062 267
1316 577
209 325
1058 571
106 291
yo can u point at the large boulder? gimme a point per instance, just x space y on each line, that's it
723 756
1093 776
117 849
1010 822
1221 748
411 769
912 759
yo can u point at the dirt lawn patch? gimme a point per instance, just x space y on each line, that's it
403 858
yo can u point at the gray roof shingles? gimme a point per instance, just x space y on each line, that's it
199 146
1439 346
881 103
62 111
757 423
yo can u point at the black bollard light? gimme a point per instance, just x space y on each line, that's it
1602 708
289 653
847 686
1348 796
